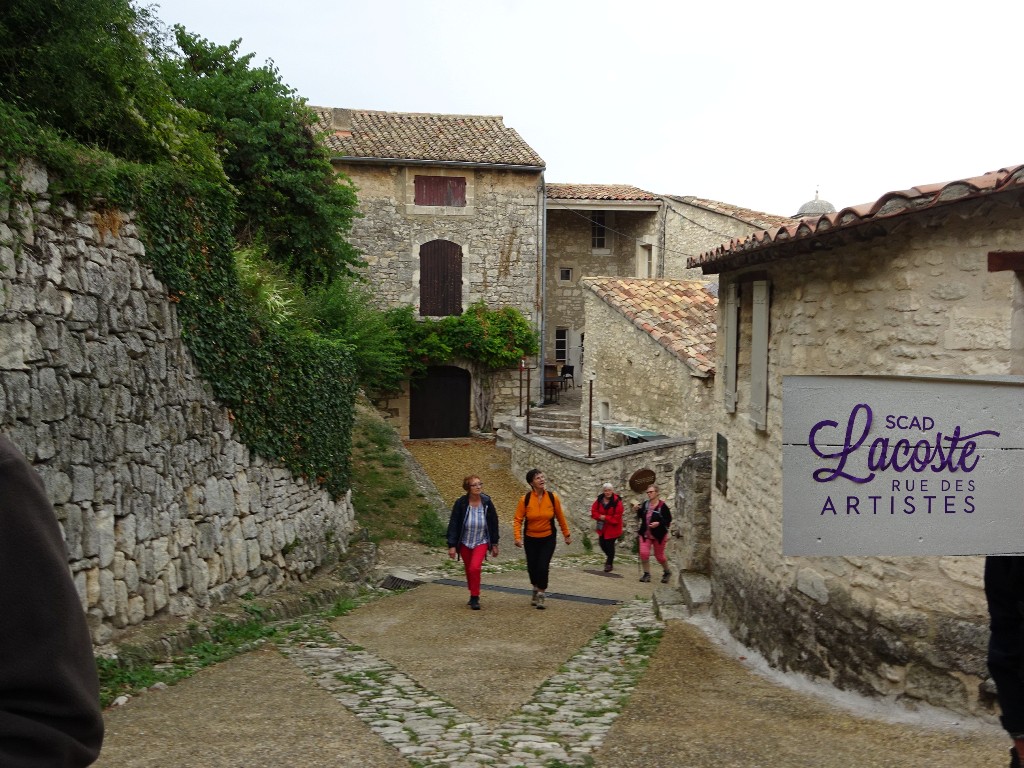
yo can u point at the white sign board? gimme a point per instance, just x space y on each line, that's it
877 465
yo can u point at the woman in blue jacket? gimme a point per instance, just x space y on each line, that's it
472 533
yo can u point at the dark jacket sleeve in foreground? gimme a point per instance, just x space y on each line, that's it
49 695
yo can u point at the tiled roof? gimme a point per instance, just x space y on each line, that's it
622 192
766 246
472 139
746 215
678 314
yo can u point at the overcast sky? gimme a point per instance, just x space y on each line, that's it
752 103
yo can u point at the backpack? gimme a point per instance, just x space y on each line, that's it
554 505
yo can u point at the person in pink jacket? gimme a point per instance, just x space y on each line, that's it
607 511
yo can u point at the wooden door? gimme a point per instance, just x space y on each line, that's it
439 404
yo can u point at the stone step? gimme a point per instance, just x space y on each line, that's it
554 418
547 431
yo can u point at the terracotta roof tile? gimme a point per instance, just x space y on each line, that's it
597 192
761 247
746 215
681 315
473 139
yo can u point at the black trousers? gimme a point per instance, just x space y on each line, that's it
1004 590
608 547
538 559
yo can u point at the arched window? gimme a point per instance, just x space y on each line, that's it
440 278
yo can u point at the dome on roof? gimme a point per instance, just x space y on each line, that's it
815 207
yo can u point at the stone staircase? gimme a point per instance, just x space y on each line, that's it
557 423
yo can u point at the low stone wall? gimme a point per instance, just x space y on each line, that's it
578 479
162 508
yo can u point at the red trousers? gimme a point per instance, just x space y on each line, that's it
473 561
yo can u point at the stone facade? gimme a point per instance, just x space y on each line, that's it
917 301
163 509
498 231
637 381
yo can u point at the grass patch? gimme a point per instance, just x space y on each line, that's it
386 500
131 672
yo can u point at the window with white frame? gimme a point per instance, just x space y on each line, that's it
565 274
598 230
561 344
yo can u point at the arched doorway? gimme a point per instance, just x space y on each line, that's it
439 403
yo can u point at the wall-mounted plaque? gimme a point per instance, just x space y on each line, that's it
878 465
641 480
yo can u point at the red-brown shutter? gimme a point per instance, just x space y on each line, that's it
440 190
440 278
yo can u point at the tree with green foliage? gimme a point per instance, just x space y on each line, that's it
290 200
84 70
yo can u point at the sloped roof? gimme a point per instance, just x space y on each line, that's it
678 314
597 192
767 246
466 139
746 215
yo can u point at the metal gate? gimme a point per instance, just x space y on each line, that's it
439 404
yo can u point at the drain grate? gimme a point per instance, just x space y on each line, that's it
400 580
520 591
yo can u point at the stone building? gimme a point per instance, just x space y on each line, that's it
922 281
653 354
451 212
615 230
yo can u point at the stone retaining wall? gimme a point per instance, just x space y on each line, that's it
163 509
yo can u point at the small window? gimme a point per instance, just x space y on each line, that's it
598 230
565 274
447 191
561 344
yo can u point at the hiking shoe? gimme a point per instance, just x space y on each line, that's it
665 577
539 602
607 567
645 578
474 603
533 600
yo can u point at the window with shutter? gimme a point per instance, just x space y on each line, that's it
730 332
440 278
447 191
759 356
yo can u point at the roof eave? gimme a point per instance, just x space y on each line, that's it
436 163
594 204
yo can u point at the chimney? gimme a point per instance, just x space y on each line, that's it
341 122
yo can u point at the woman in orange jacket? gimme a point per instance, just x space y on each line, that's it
537 512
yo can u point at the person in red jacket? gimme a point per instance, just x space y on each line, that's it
607 510
49 693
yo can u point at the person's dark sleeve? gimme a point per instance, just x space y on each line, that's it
1004 592
666 515
494 532
453 526
49 695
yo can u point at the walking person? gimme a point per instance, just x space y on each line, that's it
607 511
472 533
1004 592
538 512
654 517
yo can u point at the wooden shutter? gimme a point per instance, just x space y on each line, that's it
440 278
440 190
759 356
730 331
